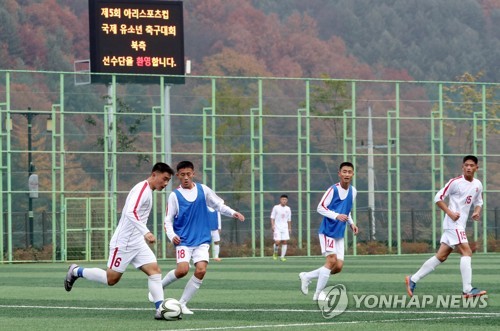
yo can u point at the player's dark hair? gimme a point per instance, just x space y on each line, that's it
284 196
162 167
346 164
470 157
185 164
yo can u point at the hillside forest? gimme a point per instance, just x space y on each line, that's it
403 40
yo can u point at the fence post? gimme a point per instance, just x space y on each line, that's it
26 232
496 223
370 224
44 218
413 225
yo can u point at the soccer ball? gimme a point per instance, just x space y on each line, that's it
171 309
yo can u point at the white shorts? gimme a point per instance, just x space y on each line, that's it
281 235
215 235
119 258
197 253
453 237
331 246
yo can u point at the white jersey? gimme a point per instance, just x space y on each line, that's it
462 194
129 233
281 215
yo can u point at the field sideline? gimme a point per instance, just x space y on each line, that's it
251 294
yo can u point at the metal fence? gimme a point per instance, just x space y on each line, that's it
90 243
251 139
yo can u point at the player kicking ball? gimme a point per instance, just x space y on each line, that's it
129 244
462 192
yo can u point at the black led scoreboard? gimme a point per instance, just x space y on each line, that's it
140 37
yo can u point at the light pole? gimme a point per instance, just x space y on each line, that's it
32 178
29 116
371 175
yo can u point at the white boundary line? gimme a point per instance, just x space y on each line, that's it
449 316
403 312
323 323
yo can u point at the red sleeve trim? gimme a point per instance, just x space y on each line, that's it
139 199
441 197
323 202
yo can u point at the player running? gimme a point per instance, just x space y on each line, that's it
335 206
462 192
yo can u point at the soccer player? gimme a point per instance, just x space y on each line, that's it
215 227
129 244
462 192
281 225
188 228
335 206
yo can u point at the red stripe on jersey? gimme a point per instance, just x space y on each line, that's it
448 186
113 259
323 202
164 225
139 199
458 236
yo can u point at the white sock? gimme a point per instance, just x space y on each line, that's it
466 271
275 248
324 275
169 278
216 251
155 288
313 274
426 269
191 288
93 274
283 250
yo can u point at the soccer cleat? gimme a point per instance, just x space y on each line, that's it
185 310
283 259
158 315
70 278
410 286
275 256
304 283
474 292
150 297
217 259
321 296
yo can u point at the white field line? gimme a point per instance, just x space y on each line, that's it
449 315
302 325
439 312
